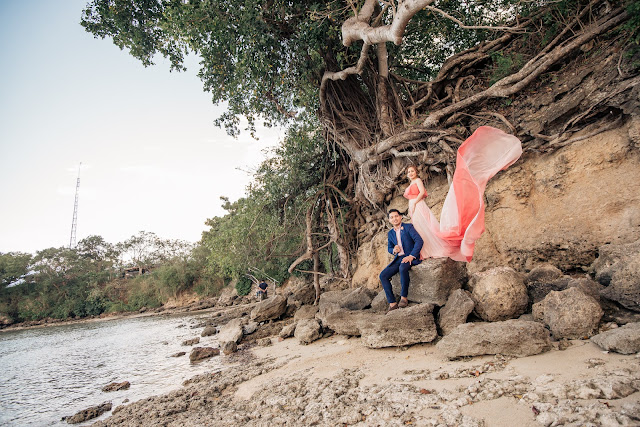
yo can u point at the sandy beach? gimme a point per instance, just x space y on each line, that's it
339 381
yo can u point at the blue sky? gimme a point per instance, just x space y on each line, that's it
151 157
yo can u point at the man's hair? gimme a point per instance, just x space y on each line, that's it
393 210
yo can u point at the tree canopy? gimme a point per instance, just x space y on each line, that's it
367 87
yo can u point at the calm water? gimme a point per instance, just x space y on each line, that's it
48 373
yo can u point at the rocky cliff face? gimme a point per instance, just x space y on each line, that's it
555 207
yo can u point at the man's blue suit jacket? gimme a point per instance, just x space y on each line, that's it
411 242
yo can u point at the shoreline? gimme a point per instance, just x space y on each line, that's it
337 380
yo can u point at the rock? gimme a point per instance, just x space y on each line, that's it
250 328
371 260
401 327
192 341
232 331
116 386
379 303
351 299
510 337
178 354
340 320
545 273
306 312
271 308
229 347
499 294
455 311
569 314
433 280
588 286
293 306
199 353
624 340
89 413
264 342
208 331
307 331
305 293
287 331
618 268
228 295
614 312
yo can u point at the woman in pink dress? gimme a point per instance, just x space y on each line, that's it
480 157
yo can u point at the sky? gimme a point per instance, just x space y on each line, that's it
151 157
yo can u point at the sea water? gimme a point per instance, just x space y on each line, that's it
50 372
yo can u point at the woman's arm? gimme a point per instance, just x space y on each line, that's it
423 191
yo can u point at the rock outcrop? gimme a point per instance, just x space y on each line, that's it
232 331
569 314
89 413
499 294
271 308
116 386
307 331
433 280
510 337
618 268
402 327
624 340
455 311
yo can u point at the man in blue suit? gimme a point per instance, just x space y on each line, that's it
404 244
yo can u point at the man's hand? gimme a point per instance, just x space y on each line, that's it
396 249
408 259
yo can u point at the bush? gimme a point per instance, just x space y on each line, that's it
243 286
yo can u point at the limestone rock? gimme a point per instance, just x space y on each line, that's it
510 337
232 331
351 299
544 273
178 354
379 303
401 327
229 347
618 268
304 293
433 280
625 339
288 331
306 312
455 311
399 203
264 342
192 341
249 328
340 320
208 331
372 259
116 386
199 353
307 331
271 308
588 286
89 413
293 305
228 295
569 314
499 294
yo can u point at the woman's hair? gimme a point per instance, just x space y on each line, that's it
415 168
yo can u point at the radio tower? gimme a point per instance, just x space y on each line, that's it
74 223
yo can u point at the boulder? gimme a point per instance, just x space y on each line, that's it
371 260
304 293
192 341
510 337
271 308
586 285
569 314
293 305
232 331
228 295
455 311
116 386
264 342
433 280
544 273
307 331
340 320
351 299
499 294
618 268
306 312
249 328
624 340
407 326
208 331
178 354
379 303
199 353
88 414
229 347
287 331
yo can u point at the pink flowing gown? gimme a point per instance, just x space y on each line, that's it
480 157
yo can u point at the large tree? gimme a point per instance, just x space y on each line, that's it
392 81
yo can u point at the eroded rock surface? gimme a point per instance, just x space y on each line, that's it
499 294
433 280
618 268
625 339
569 314
455 311
271 308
